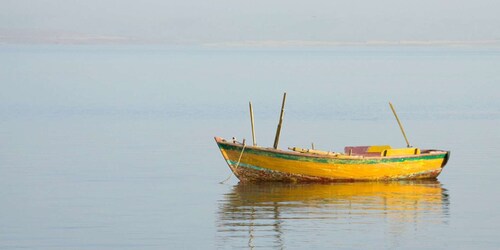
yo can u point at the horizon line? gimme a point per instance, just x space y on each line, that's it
73 39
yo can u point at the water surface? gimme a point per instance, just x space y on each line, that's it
112 148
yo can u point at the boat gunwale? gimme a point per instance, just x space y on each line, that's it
424 152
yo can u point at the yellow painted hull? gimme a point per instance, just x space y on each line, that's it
250 163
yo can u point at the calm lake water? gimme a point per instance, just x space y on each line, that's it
112 147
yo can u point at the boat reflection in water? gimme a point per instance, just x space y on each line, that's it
291 215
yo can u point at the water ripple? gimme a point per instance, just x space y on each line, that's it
283 215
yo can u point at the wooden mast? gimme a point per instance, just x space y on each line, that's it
278 130
400 125
253 126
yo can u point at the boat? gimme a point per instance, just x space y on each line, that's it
253 163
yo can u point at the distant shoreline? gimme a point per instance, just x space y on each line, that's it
121 40
371 43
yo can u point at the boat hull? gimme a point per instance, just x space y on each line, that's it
252 164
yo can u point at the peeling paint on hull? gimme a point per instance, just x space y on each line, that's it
251 174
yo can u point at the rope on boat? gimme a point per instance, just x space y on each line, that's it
237 163
241 154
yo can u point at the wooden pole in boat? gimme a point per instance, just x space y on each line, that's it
400 125
278 130
253 126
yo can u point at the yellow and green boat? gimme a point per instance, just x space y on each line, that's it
252 163
255 163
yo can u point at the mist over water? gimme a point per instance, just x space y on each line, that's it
112 147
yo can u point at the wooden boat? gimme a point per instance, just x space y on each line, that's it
357 163
363 164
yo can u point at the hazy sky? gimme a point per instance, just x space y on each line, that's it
200 21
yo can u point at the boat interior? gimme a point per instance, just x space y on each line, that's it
364 151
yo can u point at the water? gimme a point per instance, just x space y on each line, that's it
112 147
281 215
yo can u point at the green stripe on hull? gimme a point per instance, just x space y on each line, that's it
329 160
233 163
